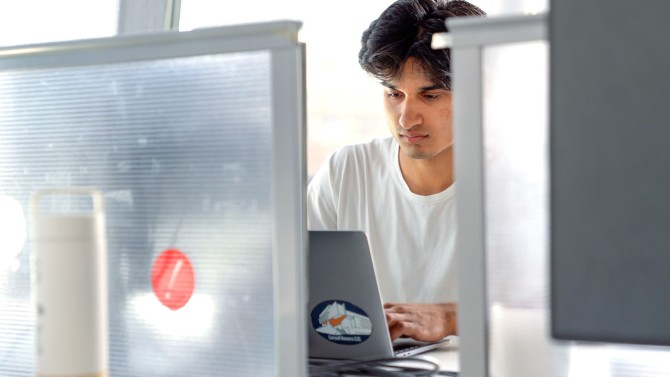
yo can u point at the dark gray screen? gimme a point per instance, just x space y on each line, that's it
610 173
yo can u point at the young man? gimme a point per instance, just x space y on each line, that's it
400 189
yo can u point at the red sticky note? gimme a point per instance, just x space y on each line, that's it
172 278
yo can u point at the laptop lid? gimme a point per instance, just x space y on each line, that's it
345 311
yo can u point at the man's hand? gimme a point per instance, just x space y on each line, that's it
425 322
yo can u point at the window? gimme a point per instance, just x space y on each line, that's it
38 21
343 102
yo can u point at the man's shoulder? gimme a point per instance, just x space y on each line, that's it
371 150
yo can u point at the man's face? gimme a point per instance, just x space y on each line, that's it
418 112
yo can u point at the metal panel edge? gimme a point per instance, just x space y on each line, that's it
478 31
468 36
170 44
290 244
470 241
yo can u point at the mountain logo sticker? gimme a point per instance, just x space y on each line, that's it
341 322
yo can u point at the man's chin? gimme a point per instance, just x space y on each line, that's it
416 153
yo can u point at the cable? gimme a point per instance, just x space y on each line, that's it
386 367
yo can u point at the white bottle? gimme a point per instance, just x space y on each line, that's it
70 288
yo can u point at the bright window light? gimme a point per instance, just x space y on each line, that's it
193 320
38 21
343 103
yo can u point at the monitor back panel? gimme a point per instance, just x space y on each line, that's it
610 175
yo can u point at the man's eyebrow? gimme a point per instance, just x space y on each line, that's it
422 89
432 87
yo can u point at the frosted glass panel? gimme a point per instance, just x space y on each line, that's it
515 137
517 223
182 151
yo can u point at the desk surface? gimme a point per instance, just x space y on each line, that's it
446 358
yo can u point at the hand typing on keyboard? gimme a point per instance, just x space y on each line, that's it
425 322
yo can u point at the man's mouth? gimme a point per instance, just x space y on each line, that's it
413 138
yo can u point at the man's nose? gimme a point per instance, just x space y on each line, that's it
410 114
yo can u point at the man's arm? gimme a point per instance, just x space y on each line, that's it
425 322
321 212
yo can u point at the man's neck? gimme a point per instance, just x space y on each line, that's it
428 176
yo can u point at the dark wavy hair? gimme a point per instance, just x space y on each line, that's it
404 30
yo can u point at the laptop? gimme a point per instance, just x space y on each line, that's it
345 311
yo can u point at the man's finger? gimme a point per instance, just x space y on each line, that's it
391 319
394 317
396 308
396 331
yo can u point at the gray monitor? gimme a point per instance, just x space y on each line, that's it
610 171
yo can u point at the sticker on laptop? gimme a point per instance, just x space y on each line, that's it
341 322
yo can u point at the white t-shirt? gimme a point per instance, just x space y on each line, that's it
412 237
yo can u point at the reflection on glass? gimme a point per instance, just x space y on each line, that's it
192 321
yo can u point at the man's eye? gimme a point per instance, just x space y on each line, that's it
393 94
431 96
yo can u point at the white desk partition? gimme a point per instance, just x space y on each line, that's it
468 39
501 128
196 141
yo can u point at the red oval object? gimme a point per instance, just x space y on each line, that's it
172 278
